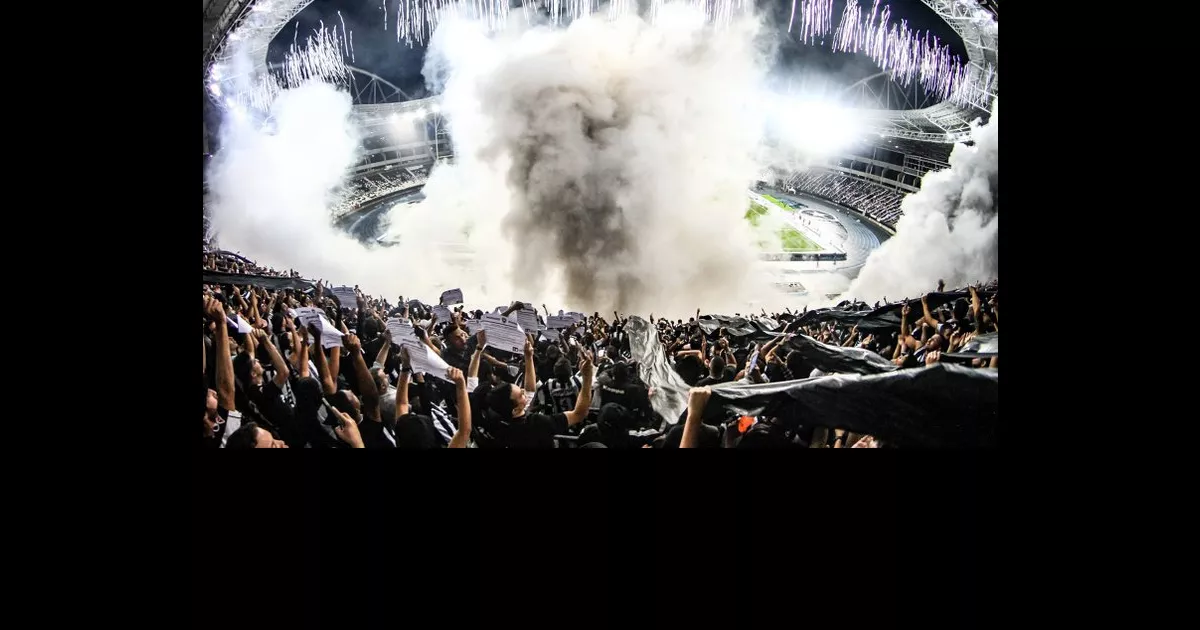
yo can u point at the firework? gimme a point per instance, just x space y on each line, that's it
906 55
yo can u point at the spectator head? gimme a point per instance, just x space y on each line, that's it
936 342
250 435
562 369
346 402
716 367
414 431
615 416
506 401
381 380
457 337
620 373
256 373
796 365
961 306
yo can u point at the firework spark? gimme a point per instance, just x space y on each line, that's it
906 55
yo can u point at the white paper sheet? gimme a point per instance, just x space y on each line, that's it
527 318
331 337
346 296
558 322
423 359
504 333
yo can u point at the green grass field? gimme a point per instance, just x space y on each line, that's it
779 203
795 241
755 212
791 239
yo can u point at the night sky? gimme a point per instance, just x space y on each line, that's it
377 50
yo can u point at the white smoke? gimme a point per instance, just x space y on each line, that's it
272 190
598 167
615 154
948 230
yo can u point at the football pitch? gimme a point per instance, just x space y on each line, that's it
791 239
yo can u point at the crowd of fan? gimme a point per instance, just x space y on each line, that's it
275 386
229 262
877 202
375 185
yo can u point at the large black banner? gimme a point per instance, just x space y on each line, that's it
940 406
839 360
886 317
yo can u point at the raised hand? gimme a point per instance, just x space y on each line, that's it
352 343
214 310
585 360
697 399
456 376
405 360
347 429
933 357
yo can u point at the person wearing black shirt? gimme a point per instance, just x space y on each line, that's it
716 373
267 395
621 388
514 428
218 402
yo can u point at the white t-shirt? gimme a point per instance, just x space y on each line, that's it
233 422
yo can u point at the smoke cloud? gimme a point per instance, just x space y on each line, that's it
948 230
602 166
618 153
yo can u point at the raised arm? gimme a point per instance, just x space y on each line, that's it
927 317
302 354
584 400
335 354
480 343
382 356
281 368
697 400
255 318
328 383
216 312
402 385
976 308
905 338
530 370
463 433
366 384
424 337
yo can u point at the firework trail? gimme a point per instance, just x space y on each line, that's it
906 55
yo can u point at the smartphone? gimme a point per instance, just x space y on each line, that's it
331 417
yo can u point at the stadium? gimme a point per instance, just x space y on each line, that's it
916 82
